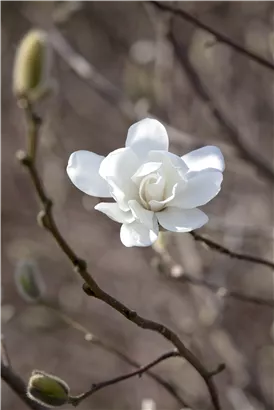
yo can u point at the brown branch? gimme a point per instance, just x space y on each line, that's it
98 386
235 255
219 36
19 387
92 288
246 152
4 353
166 265
96 341
95 387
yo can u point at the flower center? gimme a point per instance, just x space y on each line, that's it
152 188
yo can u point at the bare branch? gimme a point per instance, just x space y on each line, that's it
235 255
4 353
47 220
95 387
96 341
178 12
167 265
18 386
246 152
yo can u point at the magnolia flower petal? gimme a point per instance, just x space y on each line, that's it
117 169
206 157
155 190
174 169
137 234
120 164
199 190
147 135
113 211
145 170
82 169
156 206
181 220
142 215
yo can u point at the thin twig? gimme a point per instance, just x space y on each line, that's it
166 265
219 36
96 341
246 152
235 255
92 288
4 352
19 387
98 386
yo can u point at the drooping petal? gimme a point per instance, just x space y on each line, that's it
83 171
117 169
181 220
199 190
142 215
137 234
147 135
113 211
206 157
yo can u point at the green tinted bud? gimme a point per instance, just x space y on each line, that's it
47 389
29 281
31 66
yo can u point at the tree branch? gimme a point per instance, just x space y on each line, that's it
46 219
95 340
18 386
247 153
166 263
95 387
98 386
219 36
4 353
235 255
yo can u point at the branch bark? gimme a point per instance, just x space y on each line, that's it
96 341
139 372
219 36
234 255
246 152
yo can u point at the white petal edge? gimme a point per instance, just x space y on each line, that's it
199 190
83 171
120 164
117 169
136 234
146 135
144 170
178 220
205 157
112 210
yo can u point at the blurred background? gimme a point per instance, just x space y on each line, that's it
113 63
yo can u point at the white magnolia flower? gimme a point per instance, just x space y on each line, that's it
151 187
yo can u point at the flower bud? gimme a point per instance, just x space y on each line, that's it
31 66
47 389
29 281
